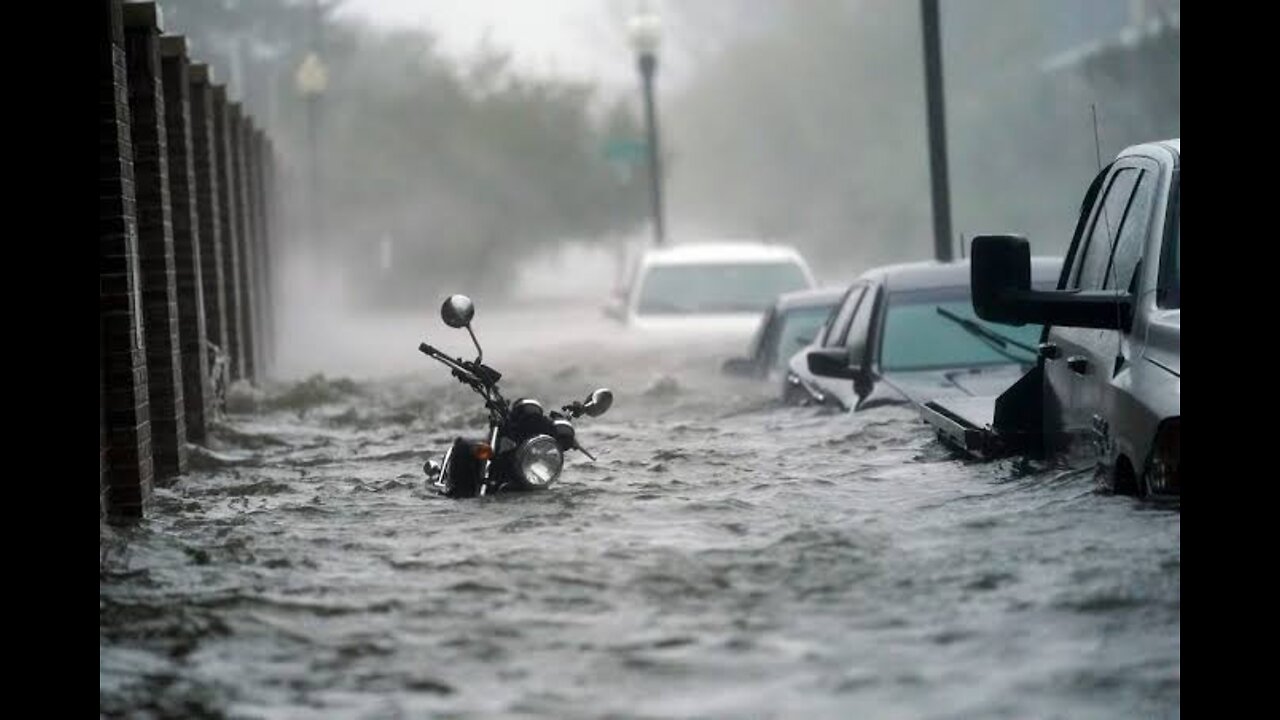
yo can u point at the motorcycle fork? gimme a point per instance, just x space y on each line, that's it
484 468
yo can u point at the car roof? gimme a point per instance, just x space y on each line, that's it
956 273
721 251
1168 148
810 298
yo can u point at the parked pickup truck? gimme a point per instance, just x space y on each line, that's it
1108 379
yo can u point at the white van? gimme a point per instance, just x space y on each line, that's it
710 287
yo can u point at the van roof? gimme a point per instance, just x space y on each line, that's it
936 274
721 251
811 298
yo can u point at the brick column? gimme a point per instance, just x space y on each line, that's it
186 235
102 434
227 209
240 126
155 239
257 176
122 346
204 160
271 204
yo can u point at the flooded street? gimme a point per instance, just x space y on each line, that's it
724 556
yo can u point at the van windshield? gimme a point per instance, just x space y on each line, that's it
716 288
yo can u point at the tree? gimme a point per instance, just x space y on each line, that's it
458 164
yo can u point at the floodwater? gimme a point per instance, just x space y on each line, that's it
724 557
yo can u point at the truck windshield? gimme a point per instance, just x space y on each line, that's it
716 288
918 337
799 327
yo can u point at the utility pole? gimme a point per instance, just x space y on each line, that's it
937 117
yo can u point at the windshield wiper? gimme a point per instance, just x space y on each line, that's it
996 340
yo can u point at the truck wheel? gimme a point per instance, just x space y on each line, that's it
791 395
1123 479
1152 469
1162 467
1144 482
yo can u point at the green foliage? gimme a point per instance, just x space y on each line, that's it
458 162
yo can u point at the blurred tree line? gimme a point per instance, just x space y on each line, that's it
813 127
430 169
803 121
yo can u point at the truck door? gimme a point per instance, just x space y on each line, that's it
1079 362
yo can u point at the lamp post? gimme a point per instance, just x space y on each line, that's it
312 81
644 30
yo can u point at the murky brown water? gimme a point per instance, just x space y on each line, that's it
724 557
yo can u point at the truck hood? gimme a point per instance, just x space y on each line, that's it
920 386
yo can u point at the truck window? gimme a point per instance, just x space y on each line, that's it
1133 234
838 328
859 333
1089 271
1169 294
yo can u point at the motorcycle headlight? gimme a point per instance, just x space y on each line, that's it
539 460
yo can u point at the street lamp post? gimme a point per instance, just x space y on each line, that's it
644 28
313 80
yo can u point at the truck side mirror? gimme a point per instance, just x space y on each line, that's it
1000 275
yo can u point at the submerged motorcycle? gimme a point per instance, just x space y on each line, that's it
526 444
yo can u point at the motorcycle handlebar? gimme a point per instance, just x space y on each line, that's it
459 369
482 379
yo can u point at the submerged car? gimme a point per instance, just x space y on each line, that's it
907 332
710 287
1109 374
790 324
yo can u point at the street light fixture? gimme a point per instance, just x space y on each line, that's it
312 80
312 77
644 29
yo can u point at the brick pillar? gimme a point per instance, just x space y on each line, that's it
271 205
186 235
240 127
122 346
102 434
155 239
227 209
257 175
204 160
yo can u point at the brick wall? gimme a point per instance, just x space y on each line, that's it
228 206
123 348
155 239
205 164
186 235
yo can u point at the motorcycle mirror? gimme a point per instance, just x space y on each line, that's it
457 311
599 402
432 470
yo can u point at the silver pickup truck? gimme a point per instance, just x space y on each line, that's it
1108 380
